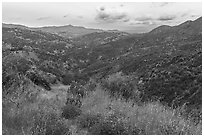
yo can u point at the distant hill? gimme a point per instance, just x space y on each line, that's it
185 28
14 26
68 31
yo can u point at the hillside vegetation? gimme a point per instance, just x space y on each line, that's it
102 83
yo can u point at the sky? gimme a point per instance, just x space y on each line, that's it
134 17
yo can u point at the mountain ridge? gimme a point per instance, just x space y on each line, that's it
166 65
71 31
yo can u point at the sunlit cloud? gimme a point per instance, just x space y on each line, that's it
43 18
110 15
167 17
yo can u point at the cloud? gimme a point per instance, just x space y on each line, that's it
162 4
43 18
184 14
102 8
166 17
144 18
159 4
66 15
80 17
193 15
110 15
126 20
142 23
16 18
121 5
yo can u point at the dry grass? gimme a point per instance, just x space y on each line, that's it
38 112
99 114
151 118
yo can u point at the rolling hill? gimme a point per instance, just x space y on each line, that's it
160 52
67 31
106 82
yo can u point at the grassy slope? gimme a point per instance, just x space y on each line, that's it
39 112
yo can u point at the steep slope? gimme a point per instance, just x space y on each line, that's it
164 53
167 63
157 75
98 38
169 41
38 55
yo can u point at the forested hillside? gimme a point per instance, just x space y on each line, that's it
102 82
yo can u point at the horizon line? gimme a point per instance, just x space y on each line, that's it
35 27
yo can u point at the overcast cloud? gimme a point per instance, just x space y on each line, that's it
135 17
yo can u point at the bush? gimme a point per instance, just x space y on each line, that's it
29 116
33 122
176 81
90 85
74 101
70 111
88 120
77 89
48 124
112 125
38 80
67 78
121 89
103 115
98 114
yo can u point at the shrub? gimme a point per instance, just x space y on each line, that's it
38 80
103 115
91 85
39 116
70 111
74 101
48 124
98 114
88 120
67 78
13 124
121 89
112 125
77 89
35 122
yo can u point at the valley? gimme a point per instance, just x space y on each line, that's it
73 80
